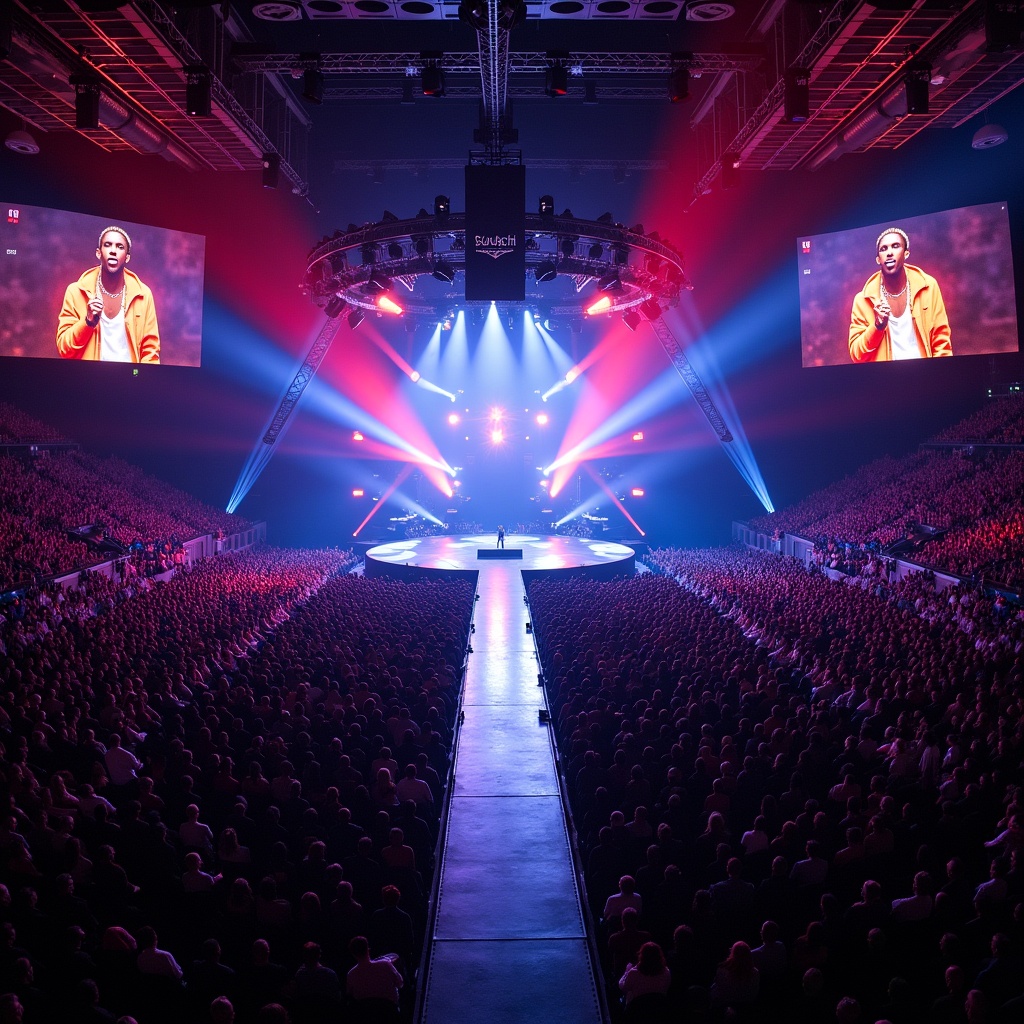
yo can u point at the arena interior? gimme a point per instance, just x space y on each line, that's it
489 580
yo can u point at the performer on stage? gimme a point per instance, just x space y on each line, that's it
501 538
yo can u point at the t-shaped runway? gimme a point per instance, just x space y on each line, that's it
509 943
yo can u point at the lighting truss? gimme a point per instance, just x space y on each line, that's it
305 373
582 251
535 62
691 380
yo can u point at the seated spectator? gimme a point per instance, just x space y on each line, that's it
372 979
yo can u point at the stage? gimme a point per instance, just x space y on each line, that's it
420 557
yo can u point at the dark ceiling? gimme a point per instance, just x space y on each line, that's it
856 54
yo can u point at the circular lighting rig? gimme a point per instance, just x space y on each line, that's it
427 256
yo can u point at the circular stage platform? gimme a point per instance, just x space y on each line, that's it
533 554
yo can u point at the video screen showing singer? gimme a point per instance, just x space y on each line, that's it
108 314
899 313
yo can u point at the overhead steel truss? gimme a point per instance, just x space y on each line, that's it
468 62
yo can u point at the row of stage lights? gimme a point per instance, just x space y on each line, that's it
497 427
635 274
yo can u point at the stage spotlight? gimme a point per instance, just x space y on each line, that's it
474 13
358 492
20 141
572 374
357 436
610 282
271 170
679 85
796 97
422 244
415 376
388 305
595 251
651 309
638 436
542 419
395 251
313 86
636 492
631 318
443 271
198 90
497 436
556 80
496 413
87 101
916 82
567 247
546 207
442 209
546 271
335 307
453 419
432 80
355 318
599 306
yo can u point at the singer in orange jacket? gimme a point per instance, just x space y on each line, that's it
108 314
899 314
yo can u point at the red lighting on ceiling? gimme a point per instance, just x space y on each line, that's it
388 304
542 419
637 492
599 306
453 419
638 436
358 492
357 436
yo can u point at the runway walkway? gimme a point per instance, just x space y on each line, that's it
509 943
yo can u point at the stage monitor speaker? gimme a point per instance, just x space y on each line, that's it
499 553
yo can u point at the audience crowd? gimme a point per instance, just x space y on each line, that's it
214 786
17 427
796 798
43 498
972 497
805 792
999 421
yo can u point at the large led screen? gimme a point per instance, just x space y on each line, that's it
912 288
99 289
